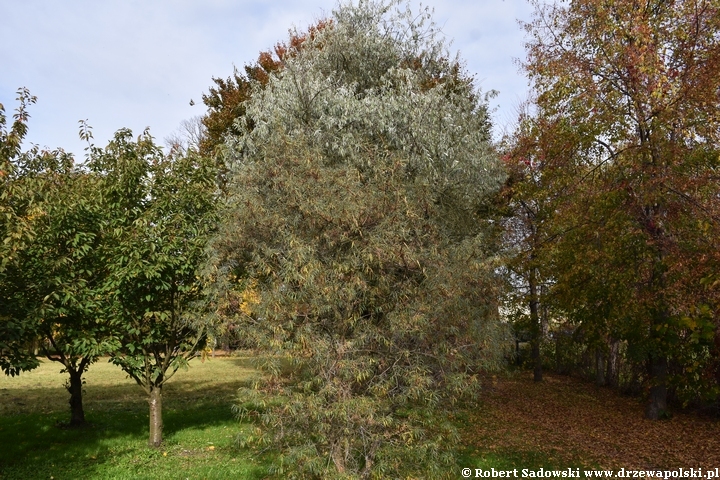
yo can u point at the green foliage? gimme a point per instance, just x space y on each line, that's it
15 232
226 100
61 269
51 272
52 275
63 263
160 212
355 215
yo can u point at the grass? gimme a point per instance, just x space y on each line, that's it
199 433
200 429
516 423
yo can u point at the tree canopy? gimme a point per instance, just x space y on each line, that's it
225 101
160 209
630 90
15 232
356 214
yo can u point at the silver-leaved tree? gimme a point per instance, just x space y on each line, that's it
356 223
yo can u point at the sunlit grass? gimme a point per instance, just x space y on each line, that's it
499 429
200 428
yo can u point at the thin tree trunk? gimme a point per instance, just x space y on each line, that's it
717 358
537 360
599 367
536 328
658 364
612 376
518 360
558 366
77 414
369 461
74 385
338 457
657 407
156 421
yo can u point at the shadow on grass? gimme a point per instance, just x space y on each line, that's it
114 444
34 446
247 362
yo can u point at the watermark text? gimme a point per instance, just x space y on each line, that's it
707 474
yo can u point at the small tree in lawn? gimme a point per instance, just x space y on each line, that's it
61 271
52 276
16 331
160 211
356 215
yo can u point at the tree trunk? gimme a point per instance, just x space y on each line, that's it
77 414
599 367
657 408
658 364
156 422
537 330
369 461
558 357
537 360
339 456
717 352
613 373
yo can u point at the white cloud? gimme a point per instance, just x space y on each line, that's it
121 63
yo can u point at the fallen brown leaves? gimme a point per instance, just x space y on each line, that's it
574 422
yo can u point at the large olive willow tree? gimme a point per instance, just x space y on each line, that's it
356 227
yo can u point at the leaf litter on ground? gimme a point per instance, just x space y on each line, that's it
576 423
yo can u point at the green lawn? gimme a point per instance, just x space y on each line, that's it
200 428
558 424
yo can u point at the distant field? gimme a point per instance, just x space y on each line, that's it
200 428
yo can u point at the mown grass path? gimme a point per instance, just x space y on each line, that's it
563 422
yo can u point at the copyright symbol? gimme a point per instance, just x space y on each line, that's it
466 472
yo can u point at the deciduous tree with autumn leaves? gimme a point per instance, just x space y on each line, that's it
226 100
633 89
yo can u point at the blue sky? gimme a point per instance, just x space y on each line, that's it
137 64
